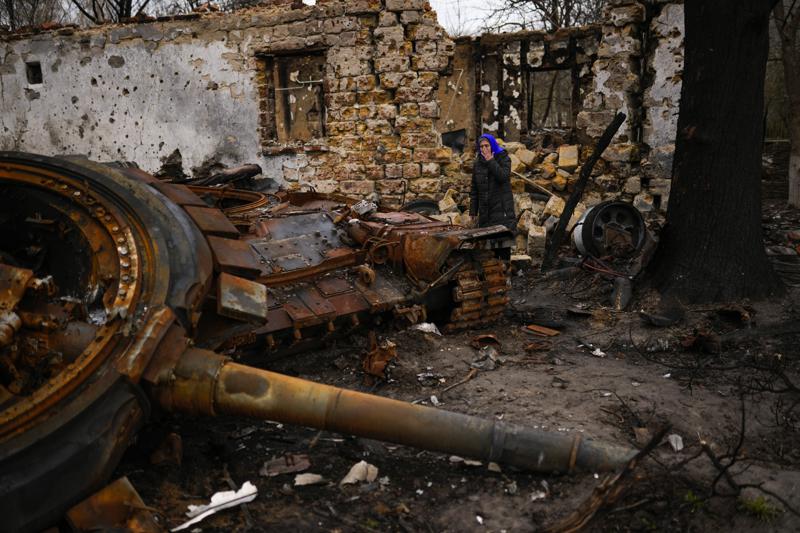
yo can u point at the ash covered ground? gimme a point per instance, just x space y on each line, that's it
723 378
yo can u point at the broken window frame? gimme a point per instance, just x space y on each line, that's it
571 69
274 83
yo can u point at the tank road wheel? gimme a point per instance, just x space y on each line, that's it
121 265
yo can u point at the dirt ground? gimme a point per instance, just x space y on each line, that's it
725 379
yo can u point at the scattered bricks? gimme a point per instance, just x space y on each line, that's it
431 170
393 170
526 220
425 185
522 202
621 152
516 165
568 157
554 206
527 157
356 188
598 168
429 109
537 240
387 111
517 185
551 158
442 154
513 147
448 204
548 170
559 182
412 170
580 209
521 244
633 185
409 109
607 182
387 18
390 186
643 202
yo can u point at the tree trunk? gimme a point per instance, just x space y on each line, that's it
712 248
787 25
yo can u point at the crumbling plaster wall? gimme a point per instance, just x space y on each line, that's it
140 91
392 84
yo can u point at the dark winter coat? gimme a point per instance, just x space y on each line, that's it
491 199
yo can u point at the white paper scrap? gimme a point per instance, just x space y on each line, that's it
219 501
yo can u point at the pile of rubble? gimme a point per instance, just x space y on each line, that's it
541 181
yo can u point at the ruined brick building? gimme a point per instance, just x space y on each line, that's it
355 97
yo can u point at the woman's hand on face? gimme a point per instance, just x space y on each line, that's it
486 152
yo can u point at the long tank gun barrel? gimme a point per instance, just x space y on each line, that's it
205 383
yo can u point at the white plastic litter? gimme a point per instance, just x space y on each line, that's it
427 327
597 352
219 501
308 479
676 442
361 471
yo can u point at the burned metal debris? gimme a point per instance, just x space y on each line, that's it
120 292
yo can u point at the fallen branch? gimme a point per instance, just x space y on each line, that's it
607 492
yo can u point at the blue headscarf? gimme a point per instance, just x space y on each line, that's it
496 148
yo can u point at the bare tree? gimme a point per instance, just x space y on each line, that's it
548 15
99 11
15 14
786 15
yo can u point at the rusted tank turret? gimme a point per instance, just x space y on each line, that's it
117 290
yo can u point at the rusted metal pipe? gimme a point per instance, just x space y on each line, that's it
206 383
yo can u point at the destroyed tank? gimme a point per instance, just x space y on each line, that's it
119 293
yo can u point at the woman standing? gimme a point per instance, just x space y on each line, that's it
490 198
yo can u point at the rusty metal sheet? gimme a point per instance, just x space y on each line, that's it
277 320
117 507
316 302
13 282
382 295
331 286
300 314
241 298
349 303
180 194
235 257
212 221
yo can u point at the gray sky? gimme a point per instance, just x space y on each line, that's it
463 15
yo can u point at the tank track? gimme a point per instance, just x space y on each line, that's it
480 294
